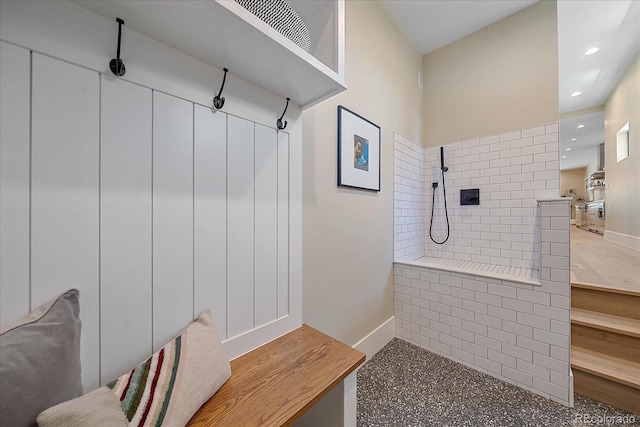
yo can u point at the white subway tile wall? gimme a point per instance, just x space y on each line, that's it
512 170
515 332
409 203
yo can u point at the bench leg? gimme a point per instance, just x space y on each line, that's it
336 409
350 400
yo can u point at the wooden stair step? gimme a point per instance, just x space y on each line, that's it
618 302
605 288
605 391
606 322
602 365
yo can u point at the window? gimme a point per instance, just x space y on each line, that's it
622 142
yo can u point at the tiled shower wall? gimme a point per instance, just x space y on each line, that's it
515 332
409 203
511 170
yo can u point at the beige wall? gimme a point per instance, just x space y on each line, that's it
623 179
348 234
573 179
503 77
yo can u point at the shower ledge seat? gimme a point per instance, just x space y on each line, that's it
501 272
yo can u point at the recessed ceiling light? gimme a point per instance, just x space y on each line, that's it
591 51
576 93
580 126
564 157
573 139
568 149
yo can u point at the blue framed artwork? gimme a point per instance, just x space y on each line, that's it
358 151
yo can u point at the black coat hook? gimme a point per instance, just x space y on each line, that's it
116 65
218 101
279 122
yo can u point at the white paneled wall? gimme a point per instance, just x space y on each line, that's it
240 225
15 86
266 215
284 226
65 166
172 216
154 206
210 215
125 224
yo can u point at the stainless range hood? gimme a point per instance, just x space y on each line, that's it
599 173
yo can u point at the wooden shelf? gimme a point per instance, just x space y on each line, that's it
222 33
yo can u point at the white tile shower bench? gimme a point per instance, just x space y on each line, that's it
554 252
511 323
501 272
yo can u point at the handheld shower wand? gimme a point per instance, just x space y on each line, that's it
444 169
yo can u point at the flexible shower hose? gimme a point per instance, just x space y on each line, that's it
433 203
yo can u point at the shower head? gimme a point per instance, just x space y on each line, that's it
443 168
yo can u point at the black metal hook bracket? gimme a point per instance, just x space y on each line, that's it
218 101
116 65
279 122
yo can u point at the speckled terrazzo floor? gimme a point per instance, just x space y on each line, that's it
404 385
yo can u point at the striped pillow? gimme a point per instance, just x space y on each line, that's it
145 392
168 388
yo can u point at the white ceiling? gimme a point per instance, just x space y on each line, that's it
584 149
611 25
431 24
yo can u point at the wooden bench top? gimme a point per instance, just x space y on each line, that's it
274 384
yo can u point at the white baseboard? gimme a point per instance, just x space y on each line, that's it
573 221
250 340
378 338
627 240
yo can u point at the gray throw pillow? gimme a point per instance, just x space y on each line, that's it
40 360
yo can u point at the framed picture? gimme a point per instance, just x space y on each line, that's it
358 151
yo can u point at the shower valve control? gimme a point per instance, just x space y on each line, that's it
470 197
